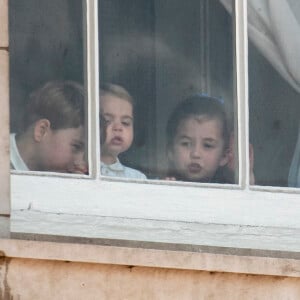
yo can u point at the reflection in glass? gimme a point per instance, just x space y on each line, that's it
163 53
47 95
274 86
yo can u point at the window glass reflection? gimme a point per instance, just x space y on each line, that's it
167 57
47 95
274 86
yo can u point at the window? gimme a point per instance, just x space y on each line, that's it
94 195
274 91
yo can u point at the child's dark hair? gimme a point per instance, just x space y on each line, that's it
197 105
60 102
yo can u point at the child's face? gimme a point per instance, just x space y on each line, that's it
62 150
118 116
198 149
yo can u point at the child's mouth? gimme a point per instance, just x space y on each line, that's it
117 140
194 168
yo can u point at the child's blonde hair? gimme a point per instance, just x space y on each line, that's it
117 91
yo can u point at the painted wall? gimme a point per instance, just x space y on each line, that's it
29 279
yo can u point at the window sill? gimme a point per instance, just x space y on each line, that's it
150 243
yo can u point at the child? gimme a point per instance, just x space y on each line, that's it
197 140
52 136
116 107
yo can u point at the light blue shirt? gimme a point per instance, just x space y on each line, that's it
16 161
118 170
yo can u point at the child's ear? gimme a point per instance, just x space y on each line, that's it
41 127
225 159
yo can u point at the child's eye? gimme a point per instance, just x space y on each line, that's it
77 148
185 144
107 122
209 146
126 123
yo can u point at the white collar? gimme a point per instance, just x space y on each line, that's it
116 167
15 157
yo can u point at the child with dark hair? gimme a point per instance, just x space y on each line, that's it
197 140
52 138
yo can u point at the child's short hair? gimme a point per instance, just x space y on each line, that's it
61 102
195 106
117 91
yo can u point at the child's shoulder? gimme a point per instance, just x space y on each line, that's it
133 173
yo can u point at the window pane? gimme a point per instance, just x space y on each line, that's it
46 82
163 53
274 86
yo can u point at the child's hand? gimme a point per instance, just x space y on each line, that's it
79 168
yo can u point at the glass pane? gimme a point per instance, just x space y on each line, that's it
172 61
47 86
274 86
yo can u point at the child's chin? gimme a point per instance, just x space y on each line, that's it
198 179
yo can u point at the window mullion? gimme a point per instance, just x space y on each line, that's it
92 74
4 115
241 42
4 133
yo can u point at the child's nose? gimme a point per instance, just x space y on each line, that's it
117 126
196 151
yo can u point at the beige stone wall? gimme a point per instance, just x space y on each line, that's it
28 279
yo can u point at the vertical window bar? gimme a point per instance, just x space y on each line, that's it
4 136
241 47
92 76
4 115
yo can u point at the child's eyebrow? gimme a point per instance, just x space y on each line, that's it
127 117
209 139
112 116
107 114
184 137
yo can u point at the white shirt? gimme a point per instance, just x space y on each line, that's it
16 161
118 170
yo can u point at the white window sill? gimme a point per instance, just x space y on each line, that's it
150 243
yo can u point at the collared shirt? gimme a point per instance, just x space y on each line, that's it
118 170
16 161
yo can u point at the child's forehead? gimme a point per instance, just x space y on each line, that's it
112 99
199 119
193 124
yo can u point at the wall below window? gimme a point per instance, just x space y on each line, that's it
51 278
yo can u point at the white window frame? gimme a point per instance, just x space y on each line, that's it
241 205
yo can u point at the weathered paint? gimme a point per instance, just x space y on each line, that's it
39 279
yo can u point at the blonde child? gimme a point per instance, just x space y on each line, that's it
52 138
197 140
116 106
